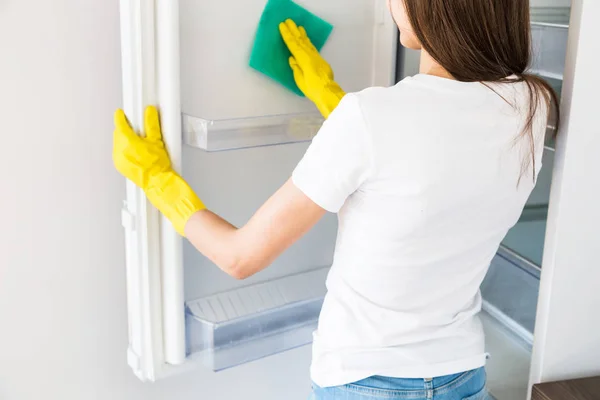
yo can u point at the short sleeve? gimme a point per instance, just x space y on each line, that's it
339 160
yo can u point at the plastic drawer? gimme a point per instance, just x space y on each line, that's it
245 324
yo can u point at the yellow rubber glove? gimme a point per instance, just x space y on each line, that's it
312 73
144 161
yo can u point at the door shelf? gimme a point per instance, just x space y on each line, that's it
240 133
249 323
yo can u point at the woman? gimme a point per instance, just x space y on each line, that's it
426 176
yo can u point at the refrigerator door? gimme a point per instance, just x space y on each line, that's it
190 58
150 65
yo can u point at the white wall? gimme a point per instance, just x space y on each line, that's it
63 329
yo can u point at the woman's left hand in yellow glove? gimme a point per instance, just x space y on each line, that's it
145 161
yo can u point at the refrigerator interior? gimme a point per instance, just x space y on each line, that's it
520 256
510 290
232 117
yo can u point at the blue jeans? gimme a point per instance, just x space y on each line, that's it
465 386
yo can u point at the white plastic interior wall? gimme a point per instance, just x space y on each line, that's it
229 106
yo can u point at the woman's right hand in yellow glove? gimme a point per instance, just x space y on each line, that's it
312 73
145 161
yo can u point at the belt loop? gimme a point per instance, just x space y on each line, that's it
429 388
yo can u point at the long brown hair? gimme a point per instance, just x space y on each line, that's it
484 41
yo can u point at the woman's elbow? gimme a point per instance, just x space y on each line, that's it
239 272
243 269
243 261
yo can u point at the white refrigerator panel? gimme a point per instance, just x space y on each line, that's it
217 83
231 322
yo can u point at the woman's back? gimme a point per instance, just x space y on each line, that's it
427 177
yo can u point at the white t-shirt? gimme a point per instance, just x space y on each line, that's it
425 179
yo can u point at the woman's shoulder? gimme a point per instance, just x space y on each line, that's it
404 94
382 104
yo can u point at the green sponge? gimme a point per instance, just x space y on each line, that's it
270 55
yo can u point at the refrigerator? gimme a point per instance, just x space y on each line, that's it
236 136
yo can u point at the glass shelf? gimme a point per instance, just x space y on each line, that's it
549 39
510 292
551 15
240 133
549 49
245 324
534 212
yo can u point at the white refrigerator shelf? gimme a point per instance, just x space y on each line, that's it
249 323
239 133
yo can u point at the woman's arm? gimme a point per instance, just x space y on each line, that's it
282 220
336 164
242 252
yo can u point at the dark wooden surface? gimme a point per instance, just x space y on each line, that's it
578 389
